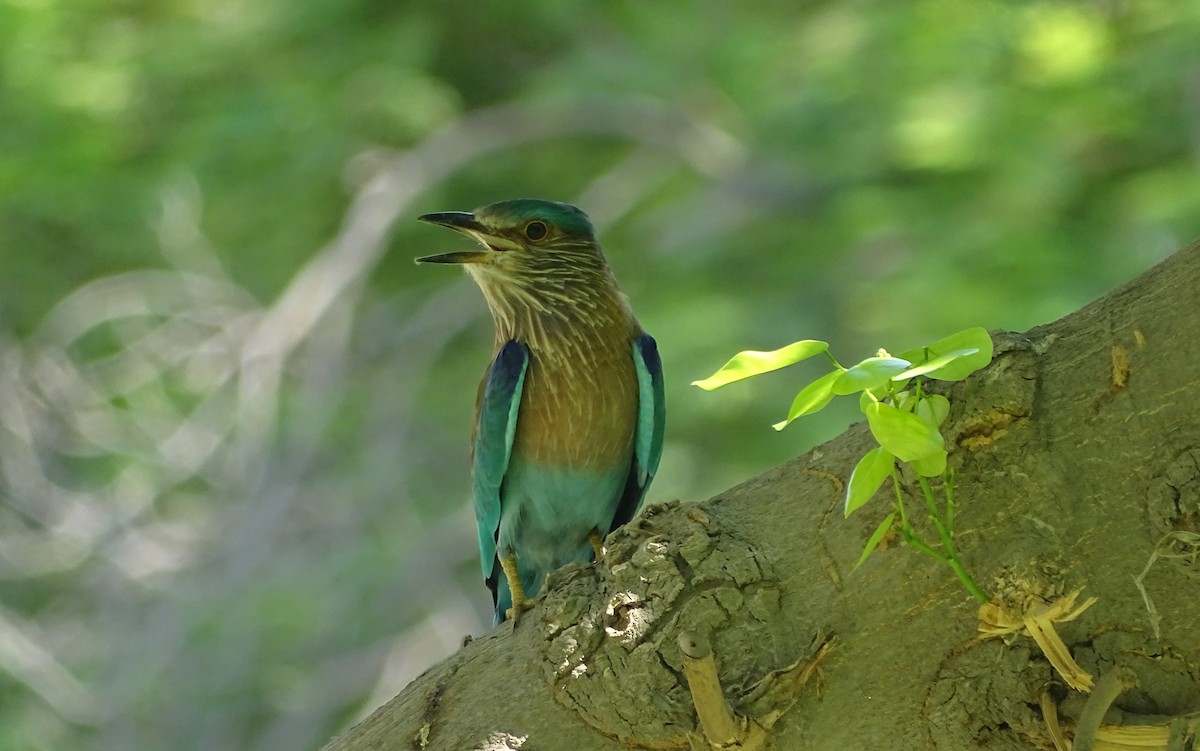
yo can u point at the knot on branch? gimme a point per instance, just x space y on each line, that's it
673 569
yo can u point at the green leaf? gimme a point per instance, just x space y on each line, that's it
904 400
752 363
931 466
869 474
903 433
961 365
876 537
812 398
868 374
930 366
933 409
896 386
866 399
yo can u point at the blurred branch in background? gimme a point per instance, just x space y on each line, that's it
154 464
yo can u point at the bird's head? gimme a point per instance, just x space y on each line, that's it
520 239
539 267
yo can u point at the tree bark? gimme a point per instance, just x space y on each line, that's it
1074 452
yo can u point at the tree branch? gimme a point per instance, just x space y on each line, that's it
1065 477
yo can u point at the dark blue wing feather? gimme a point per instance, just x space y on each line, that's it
497 423
651 426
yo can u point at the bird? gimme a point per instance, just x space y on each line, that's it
570 413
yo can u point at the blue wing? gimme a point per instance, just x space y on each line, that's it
651 424
496 425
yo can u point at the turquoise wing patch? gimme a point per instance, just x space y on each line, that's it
494 442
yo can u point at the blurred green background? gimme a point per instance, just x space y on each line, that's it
234 414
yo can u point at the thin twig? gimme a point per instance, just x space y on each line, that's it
717 720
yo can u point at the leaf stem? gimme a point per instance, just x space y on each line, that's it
948 489
899 499
907 533
950 558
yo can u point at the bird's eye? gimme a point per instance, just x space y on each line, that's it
536 230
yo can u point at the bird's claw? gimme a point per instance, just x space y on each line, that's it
514 613
597 545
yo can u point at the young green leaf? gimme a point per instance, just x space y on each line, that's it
931 466
812 398
932 366
903 433
961 366
871 372
868 475
866 399
876 537
904 400
752 363
933 409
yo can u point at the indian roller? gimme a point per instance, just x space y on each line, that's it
569 415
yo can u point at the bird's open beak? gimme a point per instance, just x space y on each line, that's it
464 222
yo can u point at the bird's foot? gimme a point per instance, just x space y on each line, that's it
514 613
597 544
519 603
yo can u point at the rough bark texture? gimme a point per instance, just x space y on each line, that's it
1076 451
